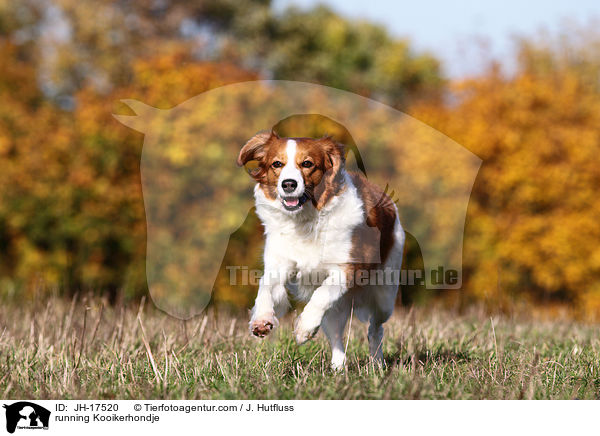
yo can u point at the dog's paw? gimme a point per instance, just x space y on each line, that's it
261 327
337 366
338 360
305 330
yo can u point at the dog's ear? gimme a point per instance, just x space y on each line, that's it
335 157
254 148
334 162
252 154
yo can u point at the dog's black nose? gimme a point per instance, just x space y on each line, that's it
289 185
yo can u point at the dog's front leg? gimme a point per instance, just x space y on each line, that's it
322 299
271 300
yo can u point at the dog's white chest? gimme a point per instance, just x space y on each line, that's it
323 246
319 240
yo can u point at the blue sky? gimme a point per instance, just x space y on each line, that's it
464 32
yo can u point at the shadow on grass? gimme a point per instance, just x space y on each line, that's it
315 356
424 357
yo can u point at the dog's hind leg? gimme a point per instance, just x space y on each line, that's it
281 302
333 325
381 312
385 297
375 335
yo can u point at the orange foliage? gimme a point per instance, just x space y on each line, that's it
532 228
71 209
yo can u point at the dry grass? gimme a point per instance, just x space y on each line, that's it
87 349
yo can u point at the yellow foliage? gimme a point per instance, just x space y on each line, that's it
72 216
532 228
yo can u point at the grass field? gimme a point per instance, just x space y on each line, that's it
86 349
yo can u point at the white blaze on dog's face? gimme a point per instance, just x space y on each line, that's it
294 172
290 183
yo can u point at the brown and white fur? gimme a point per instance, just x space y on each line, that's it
324 223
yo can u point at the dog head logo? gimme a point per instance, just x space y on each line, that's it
26 415
195 197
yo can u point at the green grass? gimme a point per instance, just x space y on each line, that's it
75 350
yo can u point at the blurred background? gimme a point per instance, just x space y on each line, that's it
518 85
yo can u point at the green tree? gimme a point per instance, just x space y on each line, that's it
77 44
320 46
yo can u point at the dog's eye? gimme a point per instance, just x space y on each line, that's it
277 164
307 164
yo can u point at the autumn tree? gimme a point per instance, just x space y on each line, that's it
532 227
77 45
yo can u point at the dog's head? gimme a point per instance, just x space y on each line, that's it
294 172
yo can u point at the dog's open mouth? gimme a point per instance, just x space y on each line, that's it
293 203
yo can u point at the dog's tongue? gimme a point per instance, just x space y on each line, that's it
291 202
